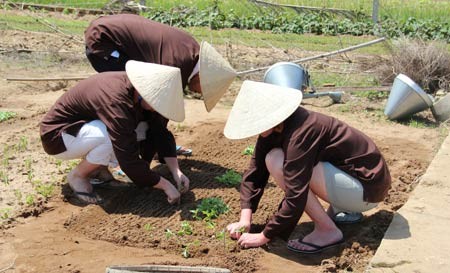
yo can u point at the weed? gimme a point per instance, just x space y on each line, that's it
372 95
209 209
28 162
249 150
5 115
230 178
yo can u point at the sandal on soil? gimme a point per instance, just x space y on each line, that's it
347 217
108 184
80 196
183 151
316 248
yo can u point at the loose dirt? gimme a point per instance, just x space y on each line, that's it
57 234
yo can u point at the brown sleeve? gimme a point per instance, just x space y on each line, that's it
125 145
255 178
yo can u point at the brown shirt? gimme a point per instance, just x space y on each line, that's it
306 139
109 97
143 40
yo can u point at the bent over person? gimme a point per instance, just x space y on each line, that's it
114 39
98 120
310 156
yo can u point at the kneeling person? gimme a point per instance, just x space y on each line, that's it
97 120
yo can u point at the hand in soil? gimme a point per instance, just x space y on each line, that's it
237 229
173 195
248 240
182 182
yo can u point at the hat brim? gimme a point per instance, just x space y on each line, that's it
216 75
260 107
160 86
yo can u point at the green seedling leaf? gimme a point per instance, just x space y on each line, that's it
209 208
169 234
148 227
249 150
230 178
5 115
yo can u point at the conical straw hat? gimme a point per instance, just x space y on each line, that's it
159 86
260 107
216 75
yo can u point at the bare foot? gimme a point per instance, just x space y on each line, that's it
81 188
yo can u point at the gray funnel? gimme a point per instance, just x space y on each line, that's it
406 98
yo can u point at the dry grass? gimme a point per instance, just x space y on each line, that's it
426 63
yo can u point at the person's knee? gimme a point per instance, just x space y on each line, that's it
274 160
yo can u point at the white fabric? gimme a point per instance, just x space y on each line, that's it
92 143
194 71
345 192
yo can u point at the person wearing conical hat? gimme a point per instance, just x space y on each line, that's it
98 121
114 39
310 156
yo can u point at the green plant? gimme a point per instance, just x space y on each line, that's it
185 249
5 115
168 233
18 195
46 190
249 150
209 209
23 144
148 227
230 178
4 177
186 229
5 213
29 199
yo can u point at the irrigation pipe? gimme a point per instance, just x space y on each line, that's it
318 56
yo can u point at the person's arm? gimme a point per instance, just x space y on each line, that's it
177 174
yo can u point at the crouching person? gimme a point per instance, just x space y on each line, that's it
97 121
310 156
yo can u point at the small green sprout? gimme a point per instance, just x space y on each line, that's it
5 115
249 150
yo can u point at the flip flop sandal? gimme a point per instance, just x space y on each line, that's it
316 248
108 184
183 151
80 194
347 217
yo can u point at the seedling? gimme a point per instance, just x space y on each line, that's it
148 227
186 229
23 144
29 199
209 209
4 177
46 190
185 249
249 150
230 178
5 115
18 195
169 234
5 213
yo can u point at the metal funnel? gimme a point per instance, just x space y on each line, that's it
287 74
406 98
292 75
